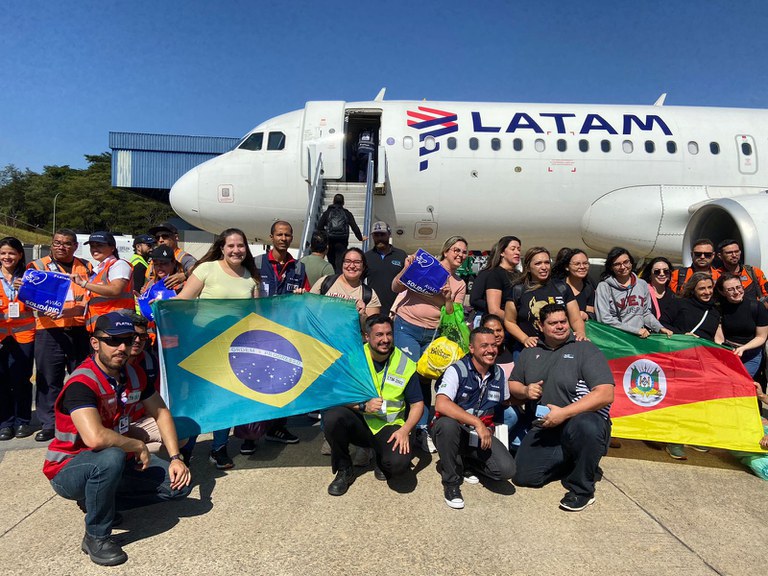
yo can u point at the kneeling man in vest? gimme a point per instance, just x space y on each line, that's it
90 460
468 394
380 423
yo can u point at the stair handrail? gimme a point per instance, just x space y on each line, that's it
315 197
368 214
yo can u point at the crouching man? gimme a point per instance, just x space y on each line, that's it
569 386
468 395
380 423
90 460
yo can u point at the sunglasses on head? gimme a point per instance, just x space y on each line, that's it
115 341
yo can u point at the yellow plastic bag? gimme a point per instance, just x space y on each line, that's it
440 354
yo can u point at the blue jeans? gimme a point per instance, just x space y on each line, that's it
751 360
102 477
517 423
413 340
220 438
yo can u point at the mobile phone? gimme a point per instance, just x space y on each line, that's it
541 411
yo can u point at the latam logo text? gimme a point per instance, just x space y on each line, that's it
560 123
434 123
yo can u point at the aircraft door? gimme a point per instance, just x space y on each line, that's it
323 132
745 145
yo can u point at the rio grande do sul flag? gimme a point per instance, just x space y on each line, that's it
683 390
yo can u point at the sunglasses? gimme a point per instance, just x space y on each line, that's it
704 254
115 341
661 272
162 236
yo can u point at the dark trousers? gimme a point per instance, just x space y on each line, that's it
57 351
344 426
106 481
15 385
570 452
452 443
336 249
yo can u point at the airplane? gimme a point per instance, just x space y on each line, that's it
649 178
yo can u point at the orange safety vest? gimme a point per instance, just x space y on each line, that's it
21 329
98 305
73 313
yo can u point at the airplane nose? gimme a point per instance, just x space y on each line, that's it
184 197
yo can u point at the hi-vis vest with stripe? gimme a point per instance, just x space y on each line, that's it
22 329
73 313
98 305
149 364
67 442
390 384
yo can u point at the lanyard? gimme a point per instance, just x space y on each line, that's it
384 374
9 289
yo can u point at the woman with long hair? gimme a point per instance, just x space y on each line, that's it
17 343
532 291
657 274
417 317
623 300
496 278
227 270
572 266
349 284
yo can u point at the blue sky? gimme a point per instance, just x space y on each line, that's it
73 71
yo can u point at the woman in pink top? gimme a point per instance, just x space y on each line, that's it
417 317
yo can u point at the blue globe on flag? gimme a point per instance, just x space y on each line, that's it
265 362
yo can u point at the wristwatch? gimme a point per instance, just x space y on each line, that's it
361 406
176 457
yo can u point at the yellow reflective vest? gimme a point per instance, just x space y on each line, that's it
390 384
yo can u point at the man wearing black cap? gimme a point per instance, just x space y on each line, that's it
166 234
142 246
165 266
384 263
91 460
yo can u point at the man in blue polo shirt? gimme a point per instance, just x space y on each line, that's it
469 393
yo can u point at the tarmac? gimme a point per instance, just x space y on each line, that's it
271 514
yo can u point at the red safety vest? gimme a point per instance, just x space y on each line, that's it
67 442
98 305
21 329
73 313
148 364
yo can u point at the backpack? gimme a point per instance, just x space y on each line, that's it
337 225
331 280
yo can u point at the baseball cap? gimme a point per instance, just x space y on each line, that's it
381 227
102 237
144 239
162 253
164 227
114 324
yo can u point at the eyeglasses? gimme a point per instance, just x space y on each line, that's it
162 236
352 262
731 252
115 341
57 244
459 251
661 272
735 290
704 254
580 265
141 336
623 264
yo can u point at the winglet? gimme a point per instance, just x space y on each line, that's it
380 95
660 101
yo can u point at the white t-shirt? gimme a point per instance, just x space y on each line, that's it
120 270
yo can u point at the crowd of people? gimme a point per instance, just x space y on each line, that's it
530 365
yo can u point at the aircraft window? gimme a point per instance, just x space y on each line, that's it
408 142
562 146
714 147
671 147
693 148
605 145
451 142
517 144
627 146
473 144
253 142
584 145
650 147
276 141
495 144
539 145
430 144
746 149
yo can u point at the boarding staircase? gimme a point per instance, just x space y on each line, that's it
358 199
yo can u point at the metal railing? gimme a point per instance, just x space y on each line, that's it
368 214
315 202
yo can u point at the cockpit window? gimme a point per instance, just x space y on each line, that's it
276 141
253 142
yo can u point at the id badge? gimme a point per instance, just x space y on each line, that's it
123 425
13 310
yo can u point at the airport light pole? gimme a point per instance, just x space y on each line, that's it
54 211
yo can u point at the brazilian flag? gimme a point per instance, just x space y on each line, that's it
229 362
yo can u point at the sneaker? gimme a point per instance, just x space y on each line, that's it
248 447
282 435
470 478
573 503
221 459
424 441
325 449
378 473
103 551
431 448
186 454
362 456
342 482
314 415
700 448
676 451
453 497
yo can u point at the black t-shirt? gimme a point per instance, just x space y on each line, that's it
586 297
139 276
668 308
528 304
381 272
78 395
690 314
740 321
